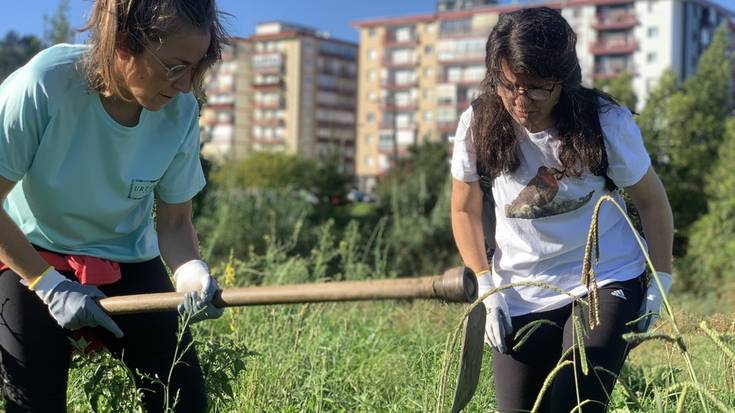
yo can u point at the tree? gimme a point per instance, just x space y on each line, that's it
652 118
685 128
15 51
621 88
279 171
711 255
415 196
57 28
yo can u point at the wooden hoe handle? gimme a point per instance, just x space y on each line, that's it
455 285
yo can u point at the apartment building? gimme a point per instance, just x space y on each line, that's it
226 118
287 88
447 5
418 73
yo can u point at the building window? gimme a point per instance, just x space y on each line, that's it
428 72
457 26
427 93
371 32
368 140
370 117
577 12
428 116
651 57
428 50
372 74
652 32
372 54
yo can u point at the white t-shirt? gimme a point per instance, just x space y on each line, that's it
542 222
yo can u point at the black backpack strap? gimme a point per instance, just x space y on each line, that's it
488 202
602 170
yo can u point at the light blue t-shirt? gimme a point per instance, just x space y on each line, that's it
86 184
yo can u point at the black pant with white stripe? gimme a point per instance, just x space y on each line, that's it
519 376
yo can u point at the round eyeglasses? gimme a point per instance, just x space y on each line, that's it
534 93
174 72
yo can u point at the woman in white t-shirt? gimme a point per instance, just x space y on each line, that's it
540 149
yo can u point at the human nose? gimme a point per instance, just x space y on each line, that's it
522 98
184 82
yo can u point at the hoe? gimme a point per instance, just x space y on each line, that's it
455 285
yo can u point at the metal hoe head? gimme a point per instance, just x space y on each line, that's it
470 361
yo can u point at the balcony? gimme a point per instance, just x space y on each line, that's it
615 21
457 104
389 125
462 80
393 41
351 105
268 63
462 58
399 63
267 83
280 104
603 72
341 73
613 46
269 86
393 106
393 85
269 123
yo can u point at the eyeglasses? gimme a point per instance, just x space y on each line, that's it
174 72
534 93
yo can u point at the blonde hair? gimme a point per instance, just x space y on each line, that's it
128 23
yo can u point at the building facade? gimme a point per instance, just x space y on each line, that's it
448 5
226 118
289 89
418 73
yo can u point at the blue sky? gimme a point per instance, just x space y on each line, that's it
334 16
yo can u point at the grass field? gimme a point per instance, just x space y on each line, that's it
387 357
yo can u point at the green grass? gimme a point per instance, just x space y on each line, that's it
387 357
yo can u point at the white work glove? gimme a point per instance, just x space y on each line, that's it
652 301
71 304
193 278
497 324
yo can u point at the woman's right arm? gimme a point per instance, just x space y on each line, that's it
466 211
15 250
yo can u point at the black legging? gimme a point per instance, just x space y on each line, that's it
35 350
520 375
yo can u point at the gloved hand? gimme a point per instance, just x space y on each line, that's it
652 301
71 304
497 324
194 279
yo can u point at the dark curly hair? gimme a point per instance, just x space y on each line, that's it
538 42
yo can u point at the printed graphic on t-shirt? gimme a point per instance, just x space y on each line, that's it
538 198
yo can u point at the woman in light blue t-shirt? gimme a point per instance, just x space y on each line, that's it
91 137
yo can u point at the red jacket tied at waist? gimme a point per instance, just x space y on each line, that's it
88 270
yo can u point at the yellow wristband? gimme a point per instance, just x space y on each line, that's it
32 284
481 273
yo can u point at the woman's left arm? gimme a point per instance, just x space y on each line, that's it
649 197
179 247
177 238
